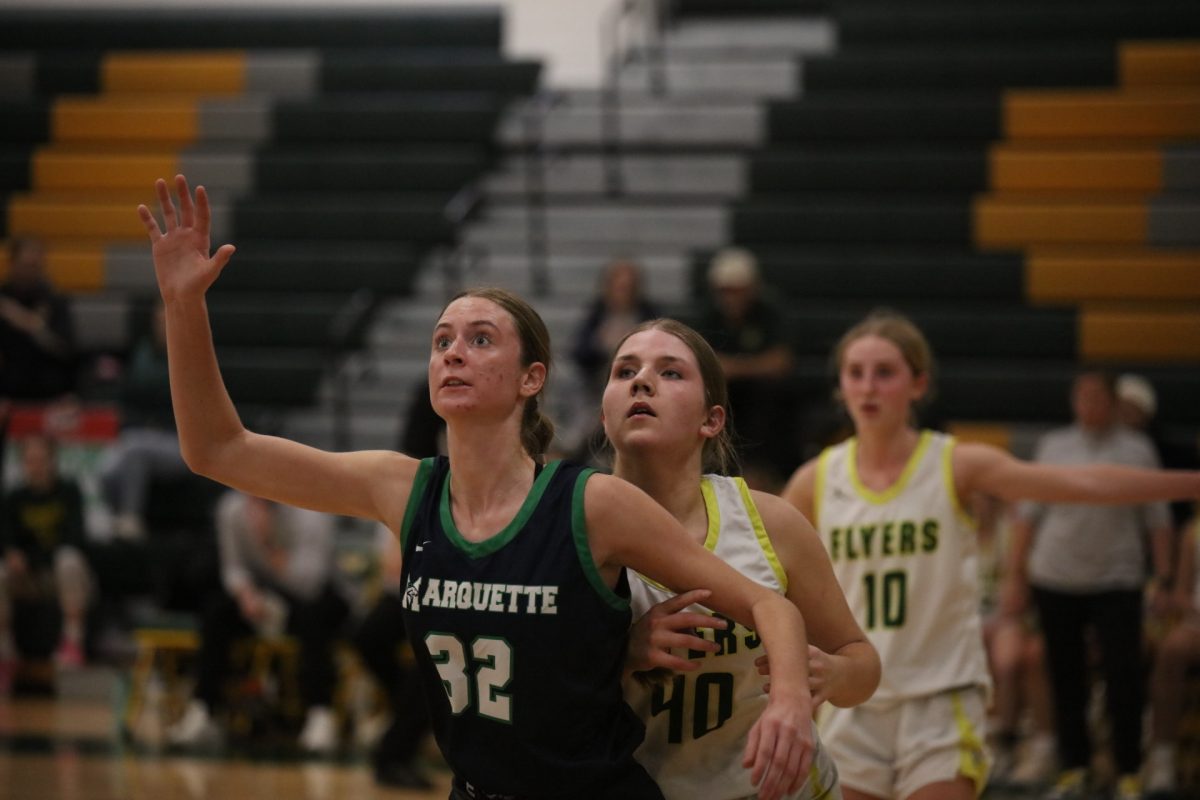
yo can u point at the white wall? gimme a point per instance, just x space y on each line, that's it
563 34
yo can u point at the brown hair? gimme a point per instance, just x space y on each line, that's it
537 431
719 455
900 331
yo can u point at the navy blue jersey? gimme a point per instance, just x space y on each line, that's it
521 644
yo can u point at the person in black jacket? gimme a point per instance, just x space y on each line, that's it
44 571
37 338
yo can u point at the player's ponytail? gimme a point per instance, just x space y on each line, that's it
537 430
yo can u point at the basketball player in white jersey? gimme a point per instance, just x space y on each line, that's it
664 413
890 507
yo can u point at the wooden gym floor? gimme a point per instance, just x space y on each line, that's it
67 748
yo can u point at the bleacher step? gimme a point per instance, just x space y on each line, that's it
584 174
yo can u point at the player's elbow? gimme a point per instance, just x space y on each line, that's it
205 458
867 671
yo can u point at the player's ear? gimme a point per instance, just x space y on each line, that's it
534 379
714 422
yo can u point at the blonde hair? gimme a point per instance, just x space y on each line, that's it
537 431
900 331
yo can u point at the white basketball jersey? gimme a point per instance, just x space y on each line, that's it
697 723
906 559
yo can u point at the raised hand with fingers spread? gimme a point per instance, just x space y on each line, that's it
182 261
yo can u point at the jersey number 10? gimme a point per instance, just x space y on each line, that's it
886 598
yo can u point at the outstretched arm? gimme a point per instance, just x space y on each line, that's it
988 469
211 435
627 528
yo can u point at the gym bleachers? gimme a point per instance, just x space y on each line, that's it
1022 178
331 142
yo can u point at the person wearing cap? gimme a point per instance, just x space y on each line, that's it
1137 408
750 338
1137 402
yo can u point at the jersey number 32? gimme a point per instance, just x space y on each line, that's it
491 659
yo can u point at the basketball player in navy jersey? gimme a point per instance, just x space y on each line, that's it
513 569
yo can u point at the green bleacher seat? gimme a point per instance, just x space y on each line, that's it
962 66
868 169
391 71
367 168
25 122
350 216
338 268
890 116
232 27
843 217
378 118
984 20
812 272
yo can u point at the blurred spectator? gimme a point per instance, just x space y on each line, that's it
379 640
618 307
1016 660
277 574
1086 567
37 339
750 337
44 571
148 445
1137 407
1178 652
1137 402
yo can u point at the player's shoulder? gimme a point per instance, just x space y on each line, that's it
773 509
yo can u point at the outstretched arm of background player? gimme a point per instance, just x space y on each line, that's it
990 470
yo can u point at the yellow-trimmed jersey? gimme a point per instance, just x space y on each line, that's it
697 722
906 559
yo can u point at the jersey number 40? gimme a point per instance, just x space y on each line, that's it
707 715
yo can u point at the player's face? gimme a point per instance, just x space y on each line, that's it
655 396
475 361
877 384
